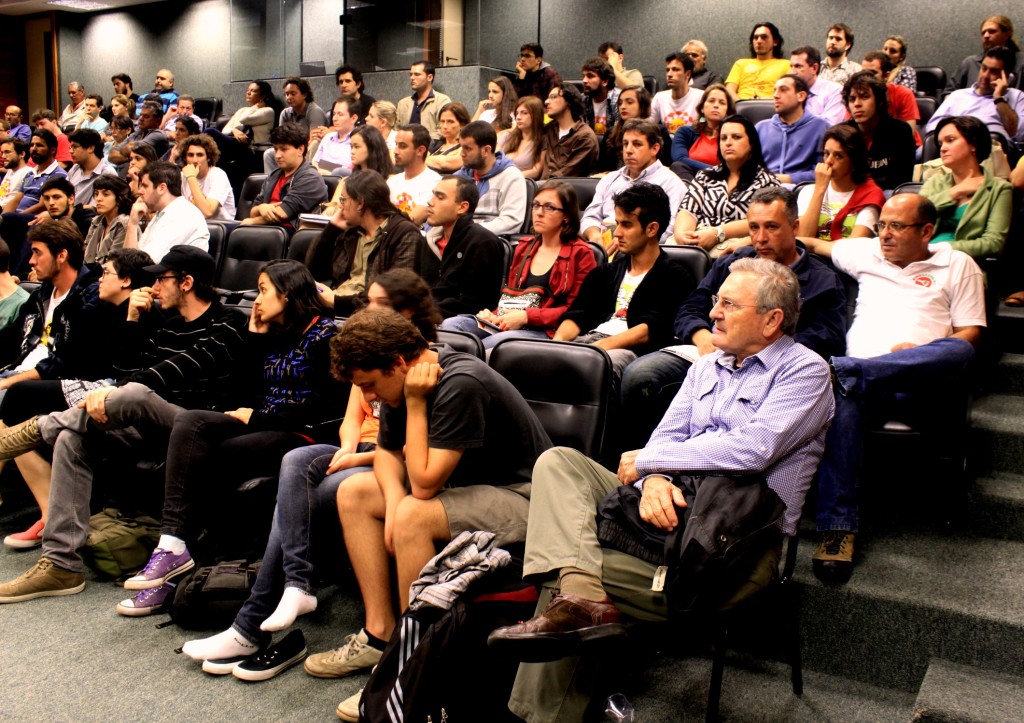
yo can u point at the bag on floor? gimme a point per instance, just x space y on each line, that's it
210 598
437 665
119 546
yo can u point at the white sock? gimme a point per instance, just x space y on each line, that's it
294 602
171 543
227 644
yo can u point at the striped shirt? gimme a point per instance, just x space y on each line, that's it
767 416
709 201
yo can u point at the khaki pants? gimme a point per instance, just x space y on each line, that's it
562 532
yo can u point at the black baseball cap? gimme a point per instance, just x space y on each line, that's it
187 261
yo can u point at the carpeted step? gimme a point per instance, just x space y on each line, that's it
996 506
1007 376
1008 328
915 596
997 433
953 693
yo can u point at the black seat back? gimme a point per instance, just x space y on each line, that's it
567 386
250 189
585 188
696 258
298 247
461 341
931 80
247 249
756 109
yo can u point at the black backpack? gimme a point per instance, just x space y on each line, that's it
437 666
210 598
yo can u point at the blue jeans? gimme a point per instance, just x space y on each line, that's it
306 495
649 385
468 323
867 387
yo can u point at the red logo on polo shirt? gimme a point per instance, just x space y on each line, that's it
924 280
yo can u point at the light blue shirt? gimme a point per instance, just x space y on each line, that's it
769 415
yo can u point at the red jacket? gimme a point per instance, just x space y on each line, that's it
575 260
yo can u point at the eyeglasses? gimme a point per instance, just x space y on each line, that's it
107 272
728 305
545 208
895 226
168 276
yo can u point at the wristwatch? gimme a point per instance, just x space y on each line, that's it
997 101
720 231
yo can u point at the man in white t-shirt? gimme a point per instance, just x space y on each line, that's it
919 316
413 187
203 184
15 153
174 221
677 106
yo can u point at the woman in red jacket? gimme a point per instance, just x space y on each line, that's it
546 274
843 202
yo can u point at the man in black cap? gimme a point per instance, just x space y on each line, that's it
189 362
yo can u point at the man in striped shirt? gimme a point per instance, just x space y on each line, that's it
187 363
759 405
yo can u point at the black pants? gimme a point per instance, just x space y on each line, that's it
208 452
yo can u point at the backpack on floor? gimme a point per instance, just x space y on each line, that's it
119 546
212 595
437 665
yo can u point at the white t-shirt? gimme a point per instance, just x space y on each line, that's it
406 193
916 304
834 202
216 187
672 113
600 117
180 223
617 323
12 183
43 347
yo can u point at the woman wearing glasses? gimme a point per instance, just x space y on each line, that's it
546 275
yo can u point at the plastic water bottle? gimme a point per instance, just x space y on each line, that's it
618 708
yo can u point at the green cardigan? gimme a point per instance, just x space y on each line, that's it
986 221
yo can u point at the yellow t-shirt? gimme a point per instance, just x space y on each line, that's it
756 78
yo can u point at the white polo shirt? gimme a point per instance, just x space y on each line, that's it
180 223
916 304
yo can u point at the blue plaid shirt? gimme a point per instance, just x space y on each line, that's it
768 416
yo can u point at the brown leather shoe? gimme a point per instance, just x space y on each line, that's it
567 624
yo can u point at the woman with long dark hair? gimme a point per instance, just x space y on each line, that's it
306 500
289 331
546 274
715 205
499 105
843 202
634 102
112 198
446 158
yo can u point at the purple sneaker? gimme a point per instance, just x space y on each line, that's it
162 566
146 602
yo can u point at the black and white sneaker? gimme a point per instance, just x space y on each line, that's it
275 659
224 666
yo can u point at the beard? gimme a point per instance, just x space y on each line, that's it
834 53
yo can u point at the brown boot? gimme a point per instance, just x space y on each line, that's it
566 624
833 560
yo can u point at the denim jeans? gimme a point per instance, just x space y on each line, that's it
468 323
306 496
649 385
866 386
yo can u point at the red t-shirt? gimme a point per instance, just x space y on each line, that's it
705 150
903 106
